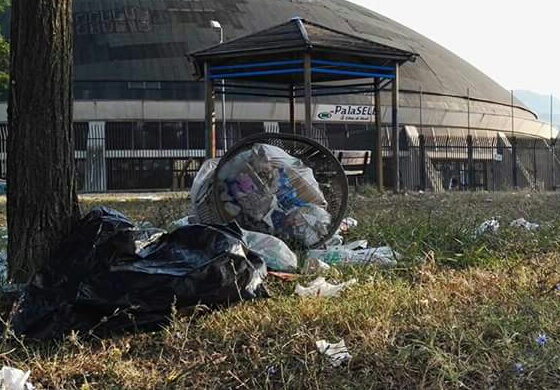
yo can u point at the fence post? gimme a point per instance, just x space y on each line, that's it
535 165
470 162
553 158
422 145
514 162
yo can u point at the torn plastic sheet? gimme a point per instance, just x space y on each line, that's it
321 288
96 282
15 379
336 352
522 223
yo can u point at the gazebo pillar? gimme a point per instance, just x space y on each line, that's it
395 132
378 152
209 115
307 93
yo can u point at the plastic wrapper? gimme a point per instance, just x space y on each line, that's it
200 191
267 190
276 254
98 281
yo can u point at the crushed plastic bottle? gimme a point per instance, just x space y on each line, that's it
383 255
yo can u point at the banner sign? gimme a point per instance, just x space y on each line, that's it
344 113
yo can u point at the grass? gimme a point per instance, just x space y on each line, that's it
459 311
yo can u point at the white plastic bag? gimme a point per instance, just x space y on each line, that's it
14 379
275 253
522 223
489 226
321 288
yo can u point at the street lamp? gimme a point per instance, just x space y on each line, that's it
216 25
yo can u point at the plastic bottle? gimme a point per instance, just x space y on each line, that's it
382 255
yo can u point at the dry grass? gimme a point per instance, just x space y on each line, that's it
458 312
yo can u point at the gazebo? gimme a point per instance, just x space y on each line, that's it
301 59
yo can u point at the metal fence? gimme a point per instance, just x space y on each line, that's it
467 163
151 155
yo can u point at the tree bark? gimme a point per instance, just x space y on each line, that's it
42 205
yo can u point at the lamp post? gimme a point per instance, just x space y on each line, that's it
216 25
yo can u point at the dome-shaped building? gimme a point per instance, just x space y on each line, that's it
139 108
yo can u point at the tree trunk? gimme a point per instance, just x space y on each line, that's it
42 205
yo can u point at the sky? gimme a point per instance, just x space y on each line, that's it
516 43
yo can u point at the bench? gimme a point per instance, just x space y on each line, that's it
355 163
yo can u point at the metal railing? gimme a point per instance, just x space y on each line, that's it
142 155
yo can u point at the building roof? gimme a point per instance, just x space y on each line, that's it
147 39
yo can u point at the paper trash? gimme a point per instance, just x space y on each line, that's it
337 352
321 288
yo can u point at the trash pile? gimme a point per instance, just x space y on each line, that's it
265 190
249 213
110 275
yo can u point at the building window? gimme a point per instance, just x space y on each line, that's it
174 135
119 135
80 135
147 136
196 135
144 85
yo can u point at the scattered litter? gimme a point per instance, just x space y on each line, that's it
522 223
14 379
335 240
97 282
489 226
321 288
347 223
383 255
285 276
312 266
337 352
353 245
276 254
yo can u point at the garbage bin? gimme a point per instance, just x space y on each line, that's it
285 185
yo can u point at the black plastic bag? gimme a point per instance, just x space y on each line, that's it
98 281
